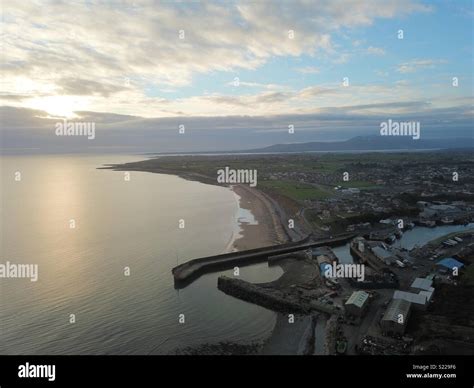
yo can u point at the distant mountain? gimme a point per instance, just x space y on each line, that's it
371 143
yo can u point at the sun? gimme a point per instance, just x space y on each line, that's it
59 106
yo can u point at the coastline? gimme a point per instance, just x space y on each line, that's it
267 230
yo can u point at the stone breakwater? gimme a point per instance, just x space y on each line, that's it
271 298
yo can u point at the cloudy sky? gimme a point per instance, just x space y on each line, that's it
332 68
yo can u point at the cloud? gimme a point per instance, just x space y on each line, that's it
88 49
13 97
24 128
417 64
85 87
313 91
238 83
308 70
375 50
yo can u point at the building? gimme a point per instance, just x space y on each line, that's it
421 284
418 301
395 319
383 255
357 304
429 294
449 264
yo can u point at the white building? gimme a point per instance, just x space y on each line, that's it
418 301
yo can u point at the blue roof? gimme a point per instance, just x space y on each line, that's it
450 263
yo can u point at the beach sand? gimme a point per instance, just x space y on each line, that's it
268 230
285 338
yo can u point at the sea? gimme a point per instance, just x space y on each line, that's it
104 243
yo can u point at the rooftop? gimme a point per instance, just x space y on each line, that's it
397 308
450 263
422 283
382 253
410 297
358 298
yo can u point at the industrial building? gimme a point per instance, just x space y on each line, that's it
383 255
357 304
395 319
448 265
422 284
419 301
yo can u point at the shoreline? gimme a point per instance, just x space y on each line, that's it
267 229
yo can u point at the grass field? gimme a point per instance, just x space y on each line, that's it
296 191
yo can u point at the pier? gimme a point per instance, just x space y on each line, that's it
186 273
272 298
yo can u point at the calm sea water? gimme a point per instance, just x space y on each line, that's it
119 224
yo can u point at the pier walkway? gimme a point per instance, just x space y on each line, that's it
187 272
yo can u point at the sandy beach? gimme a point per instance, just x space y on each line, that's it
268 229
285 338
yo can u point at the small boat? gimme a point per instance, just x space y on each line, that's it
447 220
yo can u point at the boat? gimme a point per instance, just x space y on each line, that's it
447 221
428 223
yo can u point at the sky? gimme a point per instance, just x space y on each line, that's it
333 69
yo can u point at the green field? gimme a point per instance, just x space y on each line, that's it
295 190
